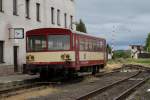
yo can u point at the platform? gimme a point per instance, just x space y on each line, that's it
15 78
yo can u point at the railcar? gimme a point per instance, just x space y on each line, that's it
53 51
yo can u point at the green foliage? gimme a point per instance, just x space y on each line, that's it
121 54
143 61
109 49
147 44
81 26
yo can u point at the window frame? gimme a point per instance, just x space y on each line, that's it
1 6
58 17
71 21
38 12
2 56
15 7
52 15
65 20
27 8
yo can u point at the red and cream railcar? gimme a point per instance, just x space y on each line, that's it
57 50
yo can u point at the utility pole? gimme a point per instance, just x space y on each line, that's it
113 41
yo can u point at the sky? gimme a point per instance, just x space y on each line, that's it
121 22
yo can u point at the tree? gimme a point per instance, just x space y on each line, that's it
81 26
109 49
147 44
121 54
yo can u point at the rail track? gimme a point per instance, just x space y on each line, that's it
11 89
73 91
118 90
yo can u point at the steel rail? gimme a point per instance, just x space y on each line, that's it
27 84
126 93
5 92
100 90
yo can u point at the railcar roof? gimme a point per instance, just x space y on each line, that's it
87 34
76 32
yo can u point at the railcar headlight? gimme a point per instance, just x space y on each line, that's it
27 57
65 57
30 58
68 57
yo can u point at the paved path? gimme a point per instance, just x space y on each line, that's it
12 78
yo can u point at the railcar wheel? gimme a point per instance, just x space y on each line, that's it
44 74
94 70
102 66
70 74
97 69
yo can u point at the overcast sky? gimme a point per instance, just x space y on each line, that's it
125 21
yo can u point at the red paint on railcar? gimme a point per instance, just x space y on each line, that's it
74 46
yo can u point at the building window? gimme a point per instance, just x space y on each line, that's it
71 22
65 20
1 51
27 8
15 10
38 11
58 17
1 5
52 15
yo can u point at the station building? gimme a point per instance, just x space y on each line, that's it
30 14
137 52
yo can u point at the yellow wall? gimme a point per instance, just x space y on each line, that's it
91 55
51 56
56 56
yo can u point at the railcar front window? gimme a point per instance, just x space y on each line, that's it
58 42
36 43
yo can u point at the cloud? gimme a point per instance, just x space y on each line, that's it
128 20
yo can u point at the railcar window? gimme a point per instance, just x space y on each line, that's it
82 45
36 43
58 42
86 45
97 45
94 46
101 45
90 45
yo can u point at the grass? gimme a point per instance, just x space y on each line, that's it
145 62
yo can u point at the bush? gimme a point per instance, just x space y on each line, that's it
121 54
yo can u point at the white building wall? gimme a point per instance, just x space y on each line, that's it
8 20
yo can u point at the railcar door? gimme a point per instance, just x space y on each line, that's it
77 50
